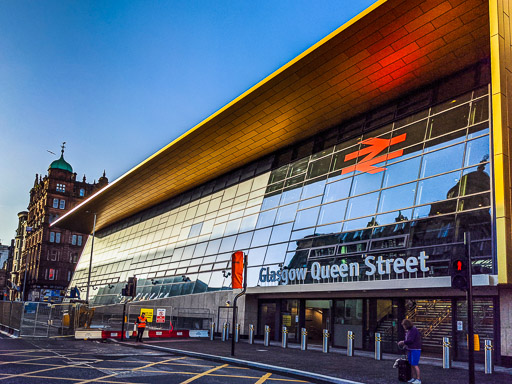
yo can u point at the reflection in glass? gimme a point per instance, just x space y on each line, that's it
286 213
256 256
394 217
337 190
291 196
442 161
227 244
243 241
266 218
477 151
332 212
401 172
270 202
366 182
479 111
397 197
310 202
261 237
306 218
298 167
362 205
281 233
248 223
438 188
313 189
276 254
358 223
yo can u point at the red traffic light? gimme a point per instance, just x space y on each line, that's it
459 265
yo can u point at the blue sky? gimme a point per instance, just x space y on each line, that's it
118 80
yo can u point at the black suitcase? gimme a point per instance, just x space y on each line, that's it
404 370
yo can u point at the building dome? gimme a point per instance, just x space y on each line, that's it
61 163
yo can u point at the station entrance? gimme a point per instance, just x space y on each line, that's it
434 317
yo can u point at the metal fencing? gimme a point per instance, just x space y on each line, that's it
41 319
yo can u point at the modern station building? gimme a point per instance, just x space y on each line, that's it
349 177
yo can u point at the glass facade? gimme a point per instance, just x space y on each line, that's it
389 201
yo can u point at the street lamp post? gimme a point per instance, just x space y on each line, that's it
90 260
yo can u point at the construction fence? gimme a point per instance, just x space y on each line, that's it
41 319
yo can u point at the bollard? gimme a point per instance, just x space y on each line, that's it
225 332
284 336
350 343
251 334
447 359
489 364
303 339
325 341
237 333
378 348
212 330
266 340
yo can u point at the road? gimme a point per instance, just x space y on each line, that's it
69 361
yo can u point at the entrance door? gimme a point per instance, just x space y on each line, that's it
269 316
381 317
348 316
318 318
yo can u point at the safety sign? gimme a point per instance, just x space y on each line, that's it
160 315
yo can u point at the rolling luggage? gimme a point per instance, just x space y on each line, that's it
404 370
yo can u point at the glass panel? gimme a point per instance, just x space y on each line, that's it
306 218
333 212
479 111
394 217
398 197
314 189
451 103
261 237
477 151
227 244
248 223
338 160
291 196
276 254
475 180
281 233
243 241
270 202
442 161
402 172
337 190
362 205
298 167
448 121
256 256
278 174
366 182
310 202
320 167
266 218
286 213
414 134
438 188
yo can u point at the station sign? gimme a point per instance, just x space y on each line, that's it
374 266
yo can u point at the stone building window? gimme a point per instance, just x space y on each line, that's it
61 187
82 192
52 237
62 204
55 203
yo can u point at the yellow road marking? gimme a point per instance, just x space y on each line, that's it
132 370
39 358
204 373
71 379
27 374
264 378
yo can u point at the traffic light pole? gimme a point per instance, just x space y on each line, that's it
235 308
469 299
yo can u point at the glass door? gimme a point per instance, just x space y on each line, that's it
348 316
318 318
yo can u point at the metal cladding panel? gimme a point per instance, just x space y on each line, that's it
390 49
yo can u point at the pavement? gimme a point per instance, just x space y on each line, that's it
317 367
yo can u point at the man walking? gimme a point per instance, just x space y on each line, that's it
141 326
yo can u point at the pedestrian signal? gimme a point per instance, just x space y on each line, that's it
459 273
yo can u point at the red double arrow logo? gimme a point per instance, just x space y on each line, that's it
375 146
